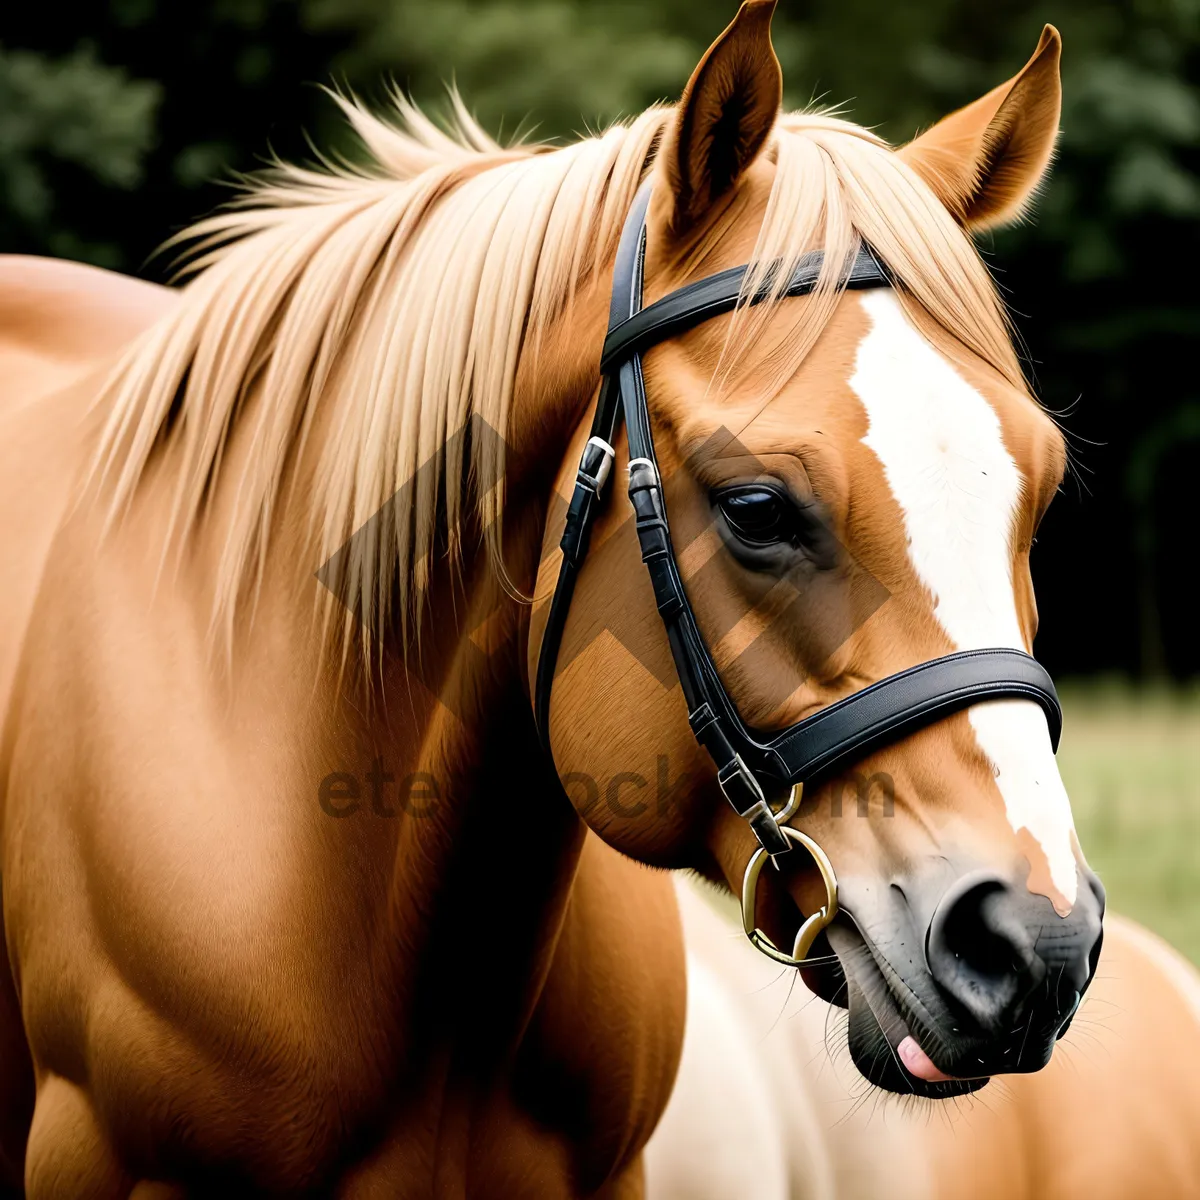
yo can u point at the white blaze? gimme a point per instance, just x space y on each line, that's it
943 454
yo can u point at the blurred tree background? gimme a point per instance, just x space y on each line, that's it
119 119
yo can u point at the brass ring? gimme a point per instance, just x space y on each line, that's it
813 925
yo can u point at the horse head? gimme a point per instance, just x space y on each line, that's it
853 478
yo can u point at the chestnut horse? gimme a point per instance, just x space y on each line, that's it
294 901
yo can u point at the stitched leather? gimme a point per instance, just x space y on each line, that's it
715 296
884 712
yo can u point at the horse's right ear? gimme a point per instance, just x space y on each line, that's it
986 161
727 112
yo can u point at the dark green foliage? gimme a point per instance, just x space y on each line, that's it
116 116
122 113
76 112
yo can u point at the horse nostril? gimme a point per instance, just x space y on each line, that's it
982 932
980 952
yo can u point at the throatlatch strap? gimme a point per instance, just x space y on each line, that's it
589 484
594 469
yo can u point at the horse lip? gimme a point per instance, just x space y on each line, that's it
894 1076
894 1015
896 1025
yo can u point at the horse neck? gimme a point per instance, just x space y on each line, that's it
449 769
485 843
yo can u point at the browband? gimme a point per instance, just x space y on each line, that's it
747 761
720 294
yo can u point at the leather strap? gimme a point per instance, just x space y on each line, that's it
900 704
594 468
720 294
589 488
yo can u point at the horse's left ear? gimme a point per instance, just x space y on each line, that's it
725 117
985 161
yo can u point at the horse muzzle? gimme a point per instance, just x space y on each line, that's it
984 977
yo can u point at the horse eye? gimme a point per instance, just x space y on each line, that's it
758 516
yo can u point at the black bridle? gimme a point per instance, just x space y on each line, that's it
745 759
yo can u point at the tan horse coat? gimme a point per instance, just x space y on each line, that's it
273 1017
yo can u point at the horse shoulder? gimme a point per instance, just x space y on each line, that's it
57 317
61 325
177 853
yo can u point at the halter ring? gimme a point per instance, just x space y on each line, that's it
813 925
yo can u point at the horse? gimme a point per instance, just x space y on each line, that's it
295 899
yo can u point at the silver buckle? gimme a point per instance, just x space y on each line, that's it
643 464
600 476
742 790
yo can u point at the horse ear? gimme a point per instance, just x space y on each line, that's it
726 114
985 161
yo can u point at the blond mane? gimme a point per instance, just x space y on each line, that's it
396 297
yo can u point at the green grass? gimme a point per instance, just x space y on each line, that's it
1131 762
